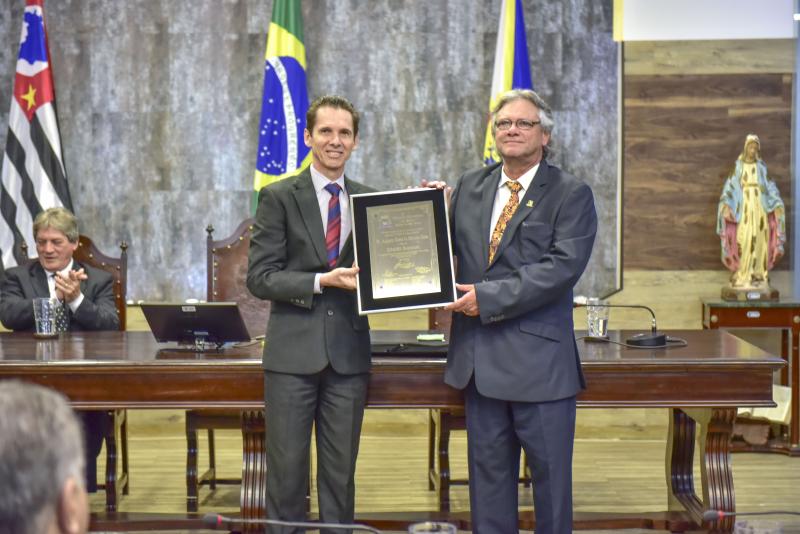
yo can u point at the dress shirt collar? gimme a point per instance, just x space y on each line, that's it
63 272
525 180
320 180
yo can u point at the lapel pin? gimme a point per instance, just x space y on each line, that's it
529 204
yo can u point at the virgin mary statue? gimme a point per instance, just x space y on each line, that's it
751 225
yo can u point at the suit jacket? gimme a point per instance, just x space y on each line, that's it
522 346
306 331
23 283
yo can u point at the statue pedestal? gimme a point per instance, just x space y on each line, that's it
749 294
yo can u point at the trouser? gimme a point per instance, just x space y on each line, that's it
496 431
334 404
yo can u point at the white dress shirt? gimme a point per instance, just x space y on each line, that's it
504 193
51 285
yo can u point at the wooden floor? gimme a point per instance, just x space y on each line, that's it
393 461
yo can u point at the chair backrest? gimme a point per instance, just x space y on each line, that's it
88 253
227 276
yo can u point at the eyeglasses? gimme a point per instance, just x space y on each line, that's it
522 124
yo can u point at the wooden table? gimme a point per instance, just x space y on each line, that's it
784 315
703 382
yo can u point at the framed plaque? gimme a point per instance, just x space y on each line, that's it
402 247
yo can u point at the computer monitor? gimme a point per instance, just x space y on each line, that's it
196 323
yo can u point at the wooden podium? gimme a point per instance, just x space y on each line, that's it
784 315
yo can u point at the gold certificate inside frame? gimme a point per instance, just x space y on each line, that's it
401 250
402 247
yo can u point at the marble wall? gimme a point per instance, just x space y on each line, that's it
159 103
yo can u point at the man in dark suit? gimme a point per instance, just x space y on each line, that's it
317 351
86 294
522 233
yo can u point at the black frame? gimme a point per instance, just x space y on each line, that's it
358 210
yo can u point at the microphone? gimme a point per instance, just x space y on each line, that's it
653 339
717 515
221 522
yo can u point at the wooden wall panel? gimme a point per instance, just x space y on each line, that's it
682 134
709 57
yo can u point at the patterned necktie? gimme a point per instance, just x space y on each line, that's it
334 224
505 216
61 316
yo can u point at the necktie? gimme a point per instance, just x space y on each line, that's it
334 224
61 316
505 216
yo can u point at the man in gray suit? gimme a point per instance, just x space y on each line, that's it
317 351
86 293
522 233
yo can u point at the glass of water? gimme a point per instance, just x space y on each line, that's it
44 314
597 318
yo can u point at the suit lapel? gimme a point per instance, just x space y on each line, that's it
39 280
306 198
527 204
490 184
76 267
353 188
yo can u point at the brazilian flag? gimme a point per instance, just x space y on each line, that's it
512 68
281 150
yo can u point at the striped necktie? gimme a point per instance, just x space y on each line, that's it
334 224
508 211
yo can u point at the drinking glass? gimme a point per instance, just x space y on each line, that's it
44 314
597 318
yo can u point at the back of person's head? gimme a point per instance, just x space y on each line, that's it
41 462
60 219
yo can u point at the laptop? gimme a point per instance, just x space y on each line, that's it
196 323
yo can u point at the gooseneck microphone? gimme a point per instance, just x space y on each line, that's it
653 339
220 522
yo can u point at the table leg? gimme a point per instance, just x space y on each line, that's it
433 416
716 475
443 486
794 377
253 497
191 470
111 487
787 345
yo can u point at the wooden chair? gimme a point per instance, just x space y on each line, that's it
440 424
88 253
226 281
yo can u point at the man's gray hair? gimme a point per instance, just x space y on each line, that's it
41 446
545 113
60 219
